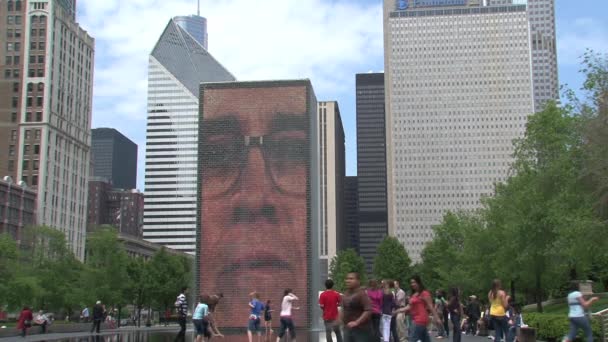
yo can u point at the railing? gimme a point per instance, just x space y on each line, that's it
603 318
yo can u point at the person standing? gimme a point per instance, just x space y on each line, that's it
440 307
98 316
375 296
268 319
85 314
286 318
576 314
181 305
199 319
43 321
400 334
24 321
456 313
256 307
329 301
388 305
357 311
421 303
498 305
474 313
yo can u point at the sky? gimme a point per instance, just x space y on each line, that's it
327 41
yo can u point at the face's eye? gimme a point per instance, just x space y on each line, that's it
288 149
221 154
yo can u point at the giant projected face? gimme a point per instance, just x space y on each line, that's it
254 166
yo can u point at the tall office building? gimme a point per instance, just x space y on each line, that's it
541 14
459 90
196 26
45 109
17 208
371 164
177 65
351 212
114 158
333 168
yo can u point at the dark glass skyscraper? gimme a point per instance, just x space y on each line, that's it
371 164
351 212
114 157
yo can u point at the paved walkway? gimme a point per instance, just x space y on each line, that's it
110 335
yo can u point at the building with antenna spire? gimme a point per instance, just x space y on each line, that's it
195 25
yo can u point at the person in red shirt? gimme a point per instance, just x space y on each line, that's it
24 321
420 305
329 302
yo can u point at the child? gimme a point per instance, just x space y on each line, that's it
268 318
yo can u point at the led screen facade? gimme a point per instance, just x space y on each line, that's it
255 204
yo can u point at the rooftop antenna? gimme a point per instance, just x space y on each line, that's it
198 8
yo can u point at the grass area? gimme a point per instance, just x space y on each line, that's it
562 308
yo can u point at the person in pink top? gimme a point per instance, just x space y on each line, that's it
420 305
375 296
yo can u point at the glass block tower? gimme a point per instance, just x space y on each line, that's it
459 88
177 65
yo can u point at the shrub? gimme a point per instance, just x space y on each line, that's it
552 327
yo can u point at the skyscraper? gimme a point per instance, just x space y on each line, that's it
177 65
45 109
371 164
459 90
196 26
351 212
114 158
333 168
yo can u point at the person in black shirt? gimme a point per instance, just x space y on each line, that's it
474 314
182 313
98 316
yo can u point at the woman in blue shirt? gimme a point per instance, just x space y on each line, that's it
578 319
199 319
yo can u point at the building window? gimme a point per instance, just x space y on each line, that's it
40 72
36 149
13 117
11 165
32 59
16 60
17 20
15 102
9 33
24 179
8 60
31 73
28 117
16 73
40 86
29 101
10 20
10 47
41 59
37 134
33 46
28 134
7 73
11 150
39 101
42 32
34 32
30 87
9 6
41 46
17 33
15 87
38 116
43 19
18 5
36 165
26 149
14 135
26 165
34 180
34 19
17 46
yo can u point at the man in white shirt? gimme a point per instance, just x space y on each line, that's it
401 301
286 318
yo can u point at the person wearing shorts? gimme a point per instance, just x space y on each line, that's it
256 308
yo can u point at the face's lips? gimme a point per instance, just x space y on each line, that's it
257 262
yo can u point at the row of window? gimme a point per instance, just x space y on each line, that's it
16 46
13 5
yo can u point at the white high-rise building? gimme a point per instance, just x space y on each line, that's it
52 79
458 79
177 65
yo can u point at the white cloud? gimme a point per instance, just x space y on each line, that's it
576 35
327 41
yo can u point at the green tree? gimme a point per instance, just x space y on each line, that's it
167 274
344 262
392 260
106 265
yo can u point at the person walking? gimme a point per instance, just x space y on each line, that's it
576 314
375 296
420 304
456 314
357 311
98 316
286 318
24 321
388 306
474 314
329 301
268 319
256 308
498 305
181 304
400 334
199 319
440 307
